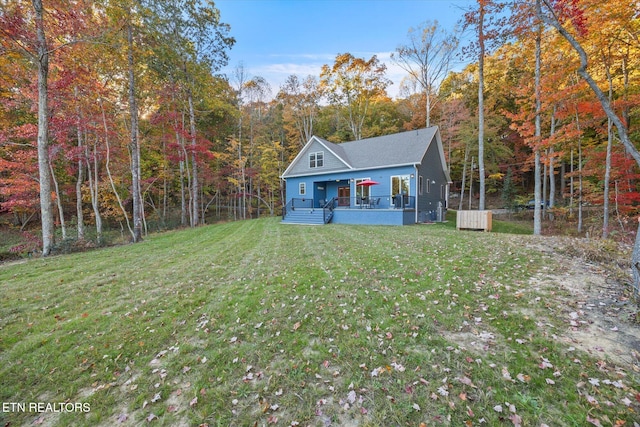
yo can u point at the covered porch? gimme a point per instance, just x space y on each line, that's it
360 194
372 209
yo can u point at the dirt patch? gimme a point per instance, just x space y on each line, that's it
599 312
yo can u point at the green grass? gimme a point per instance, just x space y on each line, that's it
256 322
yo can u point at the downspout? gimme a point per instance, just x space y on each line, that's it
415 185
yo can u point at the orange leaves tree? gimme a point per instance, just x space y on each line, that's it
570 19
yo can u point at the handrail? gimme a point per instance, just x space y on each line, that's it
327 210
287 208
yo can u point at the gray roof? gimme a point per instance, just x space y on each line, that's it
405 148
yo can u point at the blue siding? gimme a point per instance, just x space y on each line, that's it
373 216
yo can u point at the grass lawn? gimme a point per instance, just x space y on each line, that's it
258 323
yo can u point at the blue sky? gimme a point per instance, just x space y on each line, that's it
277 38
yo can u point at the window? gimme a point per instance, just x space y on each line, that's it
400 190
362 192
428 185
420 184
400 184
302 187
316 160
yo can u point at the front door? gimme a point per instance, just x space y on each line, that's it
344 194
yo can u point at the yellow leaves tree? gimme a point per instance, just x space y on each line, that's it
301 102
354 84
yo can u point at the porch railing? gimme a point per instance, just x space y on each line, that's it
297 203
372 202
377 202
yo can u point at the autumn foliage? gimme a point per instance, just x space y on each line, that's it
213 148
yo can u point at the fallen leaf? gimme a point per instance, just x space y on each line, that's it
594 421
505 373
466 381
296 326
193 402
516 420
151 417
545 364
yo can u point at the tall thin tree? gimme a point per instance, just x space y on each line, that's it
427 58
44 168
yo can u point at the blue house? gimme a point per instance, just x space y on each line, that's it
395 179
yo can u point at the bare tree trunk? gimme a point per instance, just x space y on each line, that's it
580 184
93 190
545 171
552 175
195 199
471 182
42 60
183 199
427 95
79 210
571 184
464 175
537 213
135 146
79 182
607 167
481 107
63 226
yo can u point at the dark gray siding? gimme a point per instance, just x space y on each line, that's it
431 169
